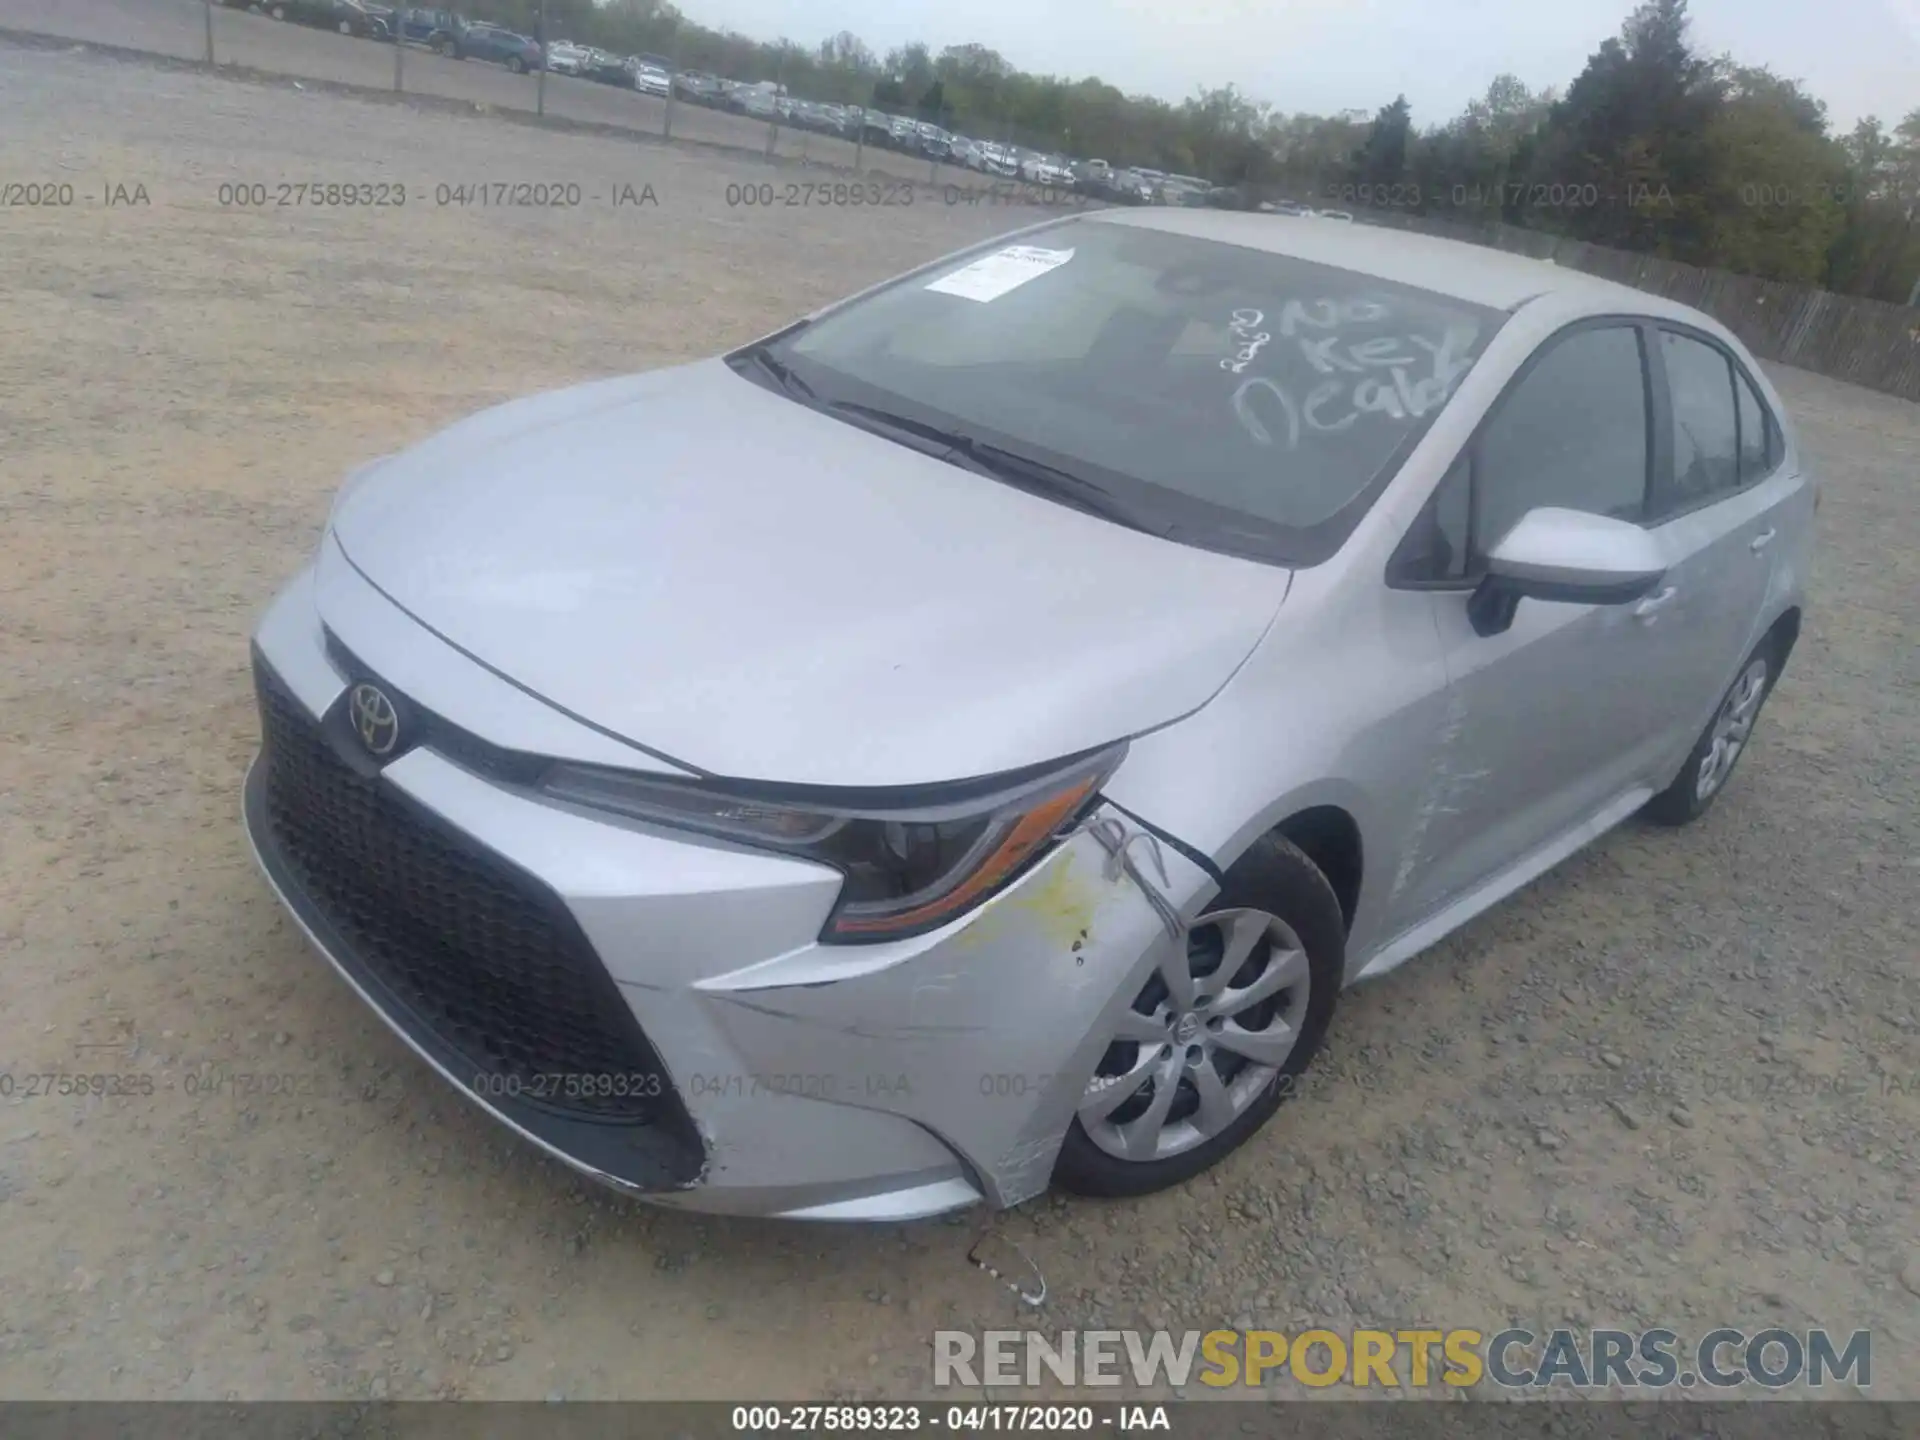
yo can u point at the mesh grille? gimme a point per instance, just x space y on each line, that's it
480 952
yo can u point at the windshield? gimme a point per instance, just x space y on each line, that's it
1244 400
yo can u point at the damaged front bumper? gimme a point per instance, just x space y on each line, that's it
873 1082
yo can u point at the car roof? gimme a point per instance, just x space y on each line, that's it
1478 274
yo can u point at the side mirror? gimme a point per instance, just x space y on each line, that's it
1567 556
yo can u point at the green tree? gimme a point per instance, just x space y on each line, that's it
1776 187
1622 160
1380 160
1878 252
1650 148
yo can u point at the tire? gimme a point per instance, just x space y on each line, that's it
445 47
1272 882
278 12
1697 786
516 65
346 27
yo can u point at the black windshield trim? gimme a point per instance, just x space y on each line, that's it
1189 519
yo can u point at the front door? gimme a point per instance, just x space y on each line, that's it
1552 719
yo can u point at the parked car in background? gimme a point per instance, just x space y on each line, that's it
436 28
755 97
1228 197
349 17
651 79
697 87
607 69
817 115
1006 162
1048 170
566 58
520 784
498 45
932 141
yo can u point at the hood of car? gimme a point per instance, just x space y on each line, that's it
758 590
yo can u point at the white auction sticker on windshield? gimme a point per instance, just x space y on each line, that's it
994 275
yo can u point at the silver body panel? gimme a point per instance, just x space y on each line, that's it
755 557
774 595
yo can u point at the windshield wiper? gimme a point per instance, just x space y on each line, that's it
1056 484
1021 471
781 374
905 424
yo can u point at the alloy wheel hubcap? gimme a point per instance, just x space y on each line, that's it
1731 727
1202 1041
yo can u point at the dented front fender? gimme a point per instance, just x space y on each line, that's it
987 1032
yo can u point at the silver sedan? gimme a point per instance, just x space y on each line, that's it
1003 712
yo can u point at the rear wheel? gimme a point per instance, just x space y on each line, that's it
516 65
1215 1038
444 46
278 12
1710 763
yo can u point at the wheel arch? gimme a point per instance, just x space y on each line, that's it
1329 836
1783 635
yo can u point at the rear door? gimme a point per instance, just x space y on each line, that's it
1716 510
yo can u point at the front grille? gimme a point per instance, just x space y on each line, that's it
480 953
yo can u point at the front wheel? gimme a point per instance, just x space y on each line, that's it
517 65
1710 763
278 12
445 47
1217 1036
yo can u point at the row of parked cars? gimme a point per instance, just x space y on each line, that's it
451 34
649 74
1136 185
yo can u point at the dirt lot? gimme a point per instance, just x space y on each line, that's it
1676 1082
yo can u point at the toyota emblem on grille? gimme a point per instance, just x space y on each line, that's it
375 720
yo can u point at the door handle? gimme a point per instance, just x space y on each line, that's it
1654 604
1762 540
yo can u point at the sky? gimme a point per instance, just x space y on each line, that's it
1861 57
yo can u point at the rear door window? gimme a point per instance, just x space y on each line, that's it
1760 443
1706 446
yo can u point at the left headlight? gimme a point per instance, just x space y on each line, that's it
909 868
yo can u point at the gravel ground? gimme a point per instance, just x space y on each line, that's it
1676 1082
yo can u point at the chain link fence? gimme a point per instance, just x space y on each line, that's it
1867 342
298 39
